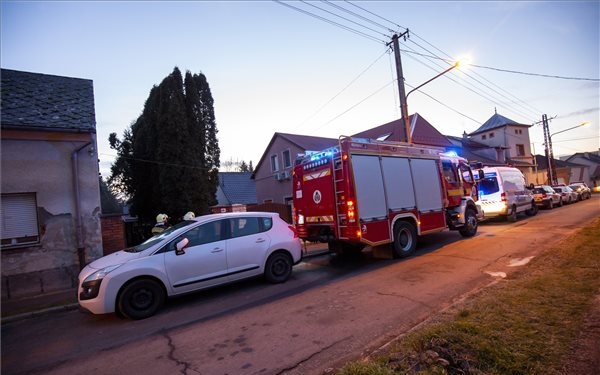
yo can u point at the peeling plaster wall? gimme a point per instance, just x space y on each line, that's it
45 168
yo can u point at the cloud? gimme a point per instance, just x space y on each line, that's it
581 112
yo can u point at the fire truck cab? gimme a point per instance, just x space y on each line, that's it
367 192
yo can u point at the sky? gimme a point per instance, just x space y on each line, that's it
291 68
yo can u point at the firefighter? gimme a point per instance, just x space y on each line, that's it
162 223
189 216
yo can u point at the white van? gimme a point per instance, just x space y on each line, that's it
502 192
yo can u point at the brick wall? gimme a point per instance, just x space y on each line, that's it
113 233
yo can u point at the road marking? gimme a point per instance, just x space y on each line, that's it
496 274
519 261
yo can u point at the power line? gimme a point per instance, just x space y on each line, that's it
347 28
357 15
537 74
342 90
344 18
447 106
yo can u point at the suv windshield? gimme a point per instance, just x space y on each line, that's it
158 238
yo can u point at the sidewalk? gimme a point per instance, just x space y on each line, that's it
21 308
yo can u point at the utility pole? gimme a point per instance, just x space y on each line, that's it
552 180
401 91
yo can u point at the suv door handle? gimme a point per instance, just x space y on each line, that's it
259 240
216 250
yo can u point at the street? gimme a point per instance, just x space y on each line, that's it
329 312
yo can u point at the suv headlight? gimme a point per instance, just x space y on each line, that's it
91 285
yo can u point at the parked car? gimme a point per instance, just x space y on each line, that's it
545 196
568 195
195 254
582 189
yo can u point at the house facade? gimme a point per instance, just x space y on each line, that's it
49 182
592 161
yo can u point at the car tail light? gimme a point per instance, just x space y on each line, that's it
293 229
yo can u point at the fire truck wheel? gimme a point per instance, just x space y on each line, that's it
405 239
470 227
278 268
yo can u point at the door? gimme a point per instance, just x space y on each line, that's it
204 262
248 245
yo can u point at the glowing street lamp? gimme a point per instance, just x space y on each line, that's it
406 122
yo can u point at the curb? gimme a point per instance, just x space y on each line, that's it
36 313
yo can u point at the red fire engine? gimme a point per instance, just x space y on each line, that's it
367 192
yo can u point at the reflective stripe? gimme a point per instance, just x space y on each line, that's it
315 175
319 219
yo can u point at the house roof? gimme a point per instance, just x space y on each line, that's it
542 163
41 101
587 156
421 130
236 188
496 121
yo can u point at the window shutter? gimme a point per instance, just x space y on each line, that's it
19 219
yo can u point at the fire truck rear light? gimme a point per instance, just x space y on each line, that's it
345 157
293 229
301 219
358 234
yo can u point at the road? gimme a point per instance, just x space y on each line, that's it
332 310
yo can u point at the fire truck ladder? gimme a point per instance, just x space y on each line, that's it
339 188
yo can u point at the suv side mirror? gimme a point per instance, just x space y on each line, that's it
181 245
481 174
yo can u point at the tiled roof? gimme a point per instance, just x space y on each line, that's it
33 100
496 121
421 130
542 162
308 142
586 155
237 188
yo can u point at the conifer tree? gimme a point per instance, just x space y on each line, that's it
168 160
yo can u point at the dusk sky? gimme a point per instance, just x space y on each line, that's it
272 68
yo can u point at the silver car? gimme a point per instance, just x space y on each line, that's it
568 195
205 252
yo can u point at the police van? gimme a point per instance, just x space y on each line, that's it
502 192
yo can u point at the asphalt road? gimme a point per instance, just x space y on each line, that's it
331 310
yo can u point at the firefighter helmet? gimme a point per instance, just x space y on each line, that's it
189 216
161 218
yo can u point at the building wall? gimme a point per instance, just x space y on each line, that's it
517 135
43 166
268 187
113 233
585 175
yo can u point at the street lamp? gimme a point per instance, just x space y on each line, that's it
406 122
553 178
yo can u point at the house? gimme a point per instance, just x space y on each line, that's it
592 161
566 172
236 191
509 138
49 182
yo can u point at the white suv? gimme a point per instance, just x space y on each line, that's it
192 255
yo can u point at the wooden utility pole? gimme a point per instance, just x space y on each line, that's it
401 91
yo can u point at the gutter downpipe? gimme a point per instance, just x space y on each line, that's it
79 231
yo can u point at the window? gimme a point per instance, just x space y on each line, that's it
491 135
483 137
203 234
274 163
287 159
244 226
520 150
449 173
19 220
518 131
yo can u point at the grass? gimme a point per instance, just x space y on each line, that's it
525 324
